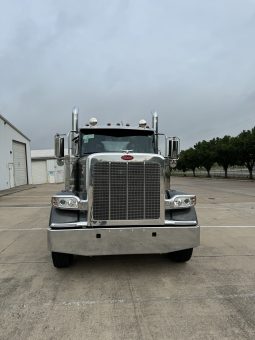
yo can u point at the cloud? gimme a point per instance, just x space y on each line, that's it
191 61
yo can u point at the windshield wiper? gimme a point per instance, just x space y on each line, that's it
90 153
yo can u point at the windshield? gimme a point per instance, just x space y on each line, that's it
116 140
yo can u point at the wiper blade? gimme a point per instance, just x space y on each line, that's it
90 153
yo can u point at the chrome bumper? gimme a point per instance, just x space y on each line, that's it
113 241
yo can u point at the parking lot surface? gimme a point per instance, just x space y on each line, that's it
137 296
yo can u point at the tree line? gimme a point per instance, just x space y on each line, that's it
227 151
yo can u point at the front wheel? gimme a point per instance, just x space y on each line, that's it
61 260
181 255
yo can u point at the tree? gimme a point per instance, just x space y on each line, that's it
206 154
226 153
245 146
181 163
191 160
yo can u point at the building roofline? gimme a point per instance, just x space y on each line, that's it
14 127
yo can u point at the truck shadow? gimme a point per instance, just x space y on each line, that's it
141 262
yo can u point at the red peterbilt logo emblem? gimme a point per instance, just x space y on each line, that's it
127 157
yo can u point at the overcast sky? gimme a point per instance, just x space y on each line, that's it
193 61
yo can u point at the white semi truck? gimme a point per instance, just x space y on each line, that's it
117 198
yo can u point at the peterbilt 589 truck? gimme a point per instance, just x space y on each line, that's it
117 197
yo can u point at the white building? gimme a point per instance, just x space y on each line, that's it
45 168
15 163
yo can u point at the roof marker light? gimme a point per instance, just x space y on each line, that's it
142 123
93 121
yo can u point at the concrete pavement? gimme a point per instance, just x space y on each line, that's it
131 297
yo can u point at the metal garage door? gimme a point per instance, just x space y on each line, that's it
20 163
39 172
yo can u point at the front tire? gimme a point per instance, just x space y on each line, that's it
61 260
181 255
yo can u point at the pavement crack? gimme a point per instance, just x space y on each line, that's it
10 244
130 288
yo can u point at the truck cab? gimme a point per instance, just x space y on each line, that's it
117 198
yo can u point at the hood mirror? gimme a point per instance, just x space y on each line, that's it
172 148
59 148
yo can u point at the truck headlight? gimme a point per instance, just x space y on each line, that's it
180 202
68 202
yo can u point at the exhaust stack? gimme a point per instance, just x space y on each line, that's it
155 128
75 114
75 128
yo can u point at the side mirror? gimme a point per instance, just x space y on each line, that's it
172 147
59 146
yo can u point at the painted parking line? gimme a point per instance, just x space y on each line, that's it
134 300
227 226
26 207
24 229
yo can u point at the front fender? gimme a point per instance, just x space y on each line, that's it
63 216
66 216
188 214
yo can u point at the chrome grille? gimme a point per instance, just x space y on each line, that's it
136 191
118 191
152 191
126 191
101 191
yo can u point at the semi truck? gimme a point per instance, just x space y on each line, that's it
117 197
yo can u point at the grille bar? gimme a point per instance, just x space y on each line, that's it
135 191
101 191
152 191
126 191
118 189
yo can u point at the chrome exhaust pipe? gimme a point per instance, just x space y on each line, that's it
75 128
155 128
75 114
